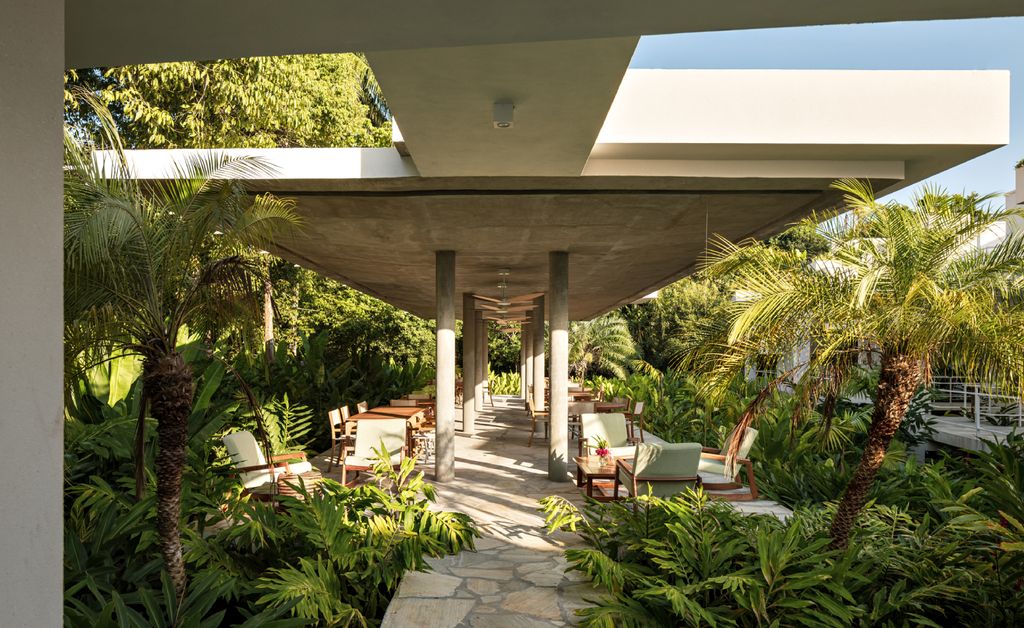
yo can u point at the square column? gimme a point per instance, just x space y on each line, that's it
468 363
444 459
32 314
538 356
558 307
481 361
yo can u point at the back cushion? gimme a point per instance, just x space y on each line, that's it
611 427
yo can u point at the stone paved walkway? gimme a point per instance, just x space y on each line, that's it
517 577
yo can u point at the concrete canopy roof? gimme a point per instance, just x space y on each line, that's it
121 32
680 154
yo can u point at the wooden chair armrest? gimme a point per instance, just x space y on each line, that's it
710 450
257 467
298 455
722 457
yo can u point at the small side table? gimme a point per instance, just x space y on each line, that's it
310 479
591 468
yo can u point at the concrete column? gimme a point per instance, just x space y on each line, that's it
468 363
538 356
528 342
522 361
444 459
481 374
485 342
558 295
31 316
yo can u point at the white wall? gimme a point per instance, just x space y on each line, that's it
31 518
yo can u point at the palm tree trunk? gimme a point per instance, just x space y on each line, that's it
169 387
897 384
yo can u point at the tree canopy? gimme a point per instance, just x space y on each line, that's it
260 102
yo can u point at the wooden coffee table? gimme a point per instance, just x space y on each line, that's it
591 473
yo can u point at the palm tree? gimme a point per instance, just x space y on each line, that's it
145 262
906 282
603 343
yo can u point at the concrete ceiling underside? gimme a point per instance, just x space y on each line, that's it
623 243
121 32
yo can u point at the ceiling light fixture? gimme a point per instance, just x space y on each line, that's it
504 115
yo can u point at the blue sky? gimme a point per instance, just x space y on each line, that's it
944 45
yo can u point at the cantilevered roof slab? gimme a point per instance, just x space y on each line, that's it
444 100
121 32
696 160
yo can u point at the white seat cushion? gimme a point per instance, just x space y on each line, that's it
299 467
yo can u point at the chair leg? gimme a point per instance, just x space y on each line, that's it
330 457
533 430
750 479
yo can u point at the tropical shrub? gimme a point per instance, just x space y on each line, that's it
693 561
504 383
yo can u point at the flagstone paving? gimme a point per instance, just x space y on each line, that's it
517 576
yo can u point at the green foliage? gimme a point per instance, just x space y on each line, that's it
504 383
321 380
679 311
263 102
337 556
693 561
309 304
603 345
502 349
288 425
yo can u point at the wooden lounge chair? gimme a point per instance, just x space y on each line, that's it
723 474
608 426
576 411
256 473
662 470
636 419
337 419
537 416
372 433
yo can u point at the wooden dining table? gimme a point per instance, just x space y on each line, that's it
389 412
609 406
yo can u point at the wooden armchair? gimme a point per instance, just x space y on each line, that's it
659 470
252 466
537 416
392 433
726 472
610 427
636 419
337 419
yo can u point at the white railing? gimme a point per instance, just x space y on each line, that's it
987 408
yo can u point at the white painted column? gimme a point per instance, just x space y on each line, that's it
468 363
558 296
538 356
481 374
444 459
31 316
485 342
528 340
522 361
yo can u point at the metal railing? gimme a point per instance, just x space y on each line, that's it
987 408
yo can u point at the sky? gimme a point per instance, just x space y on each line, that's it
985 44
